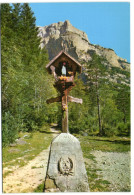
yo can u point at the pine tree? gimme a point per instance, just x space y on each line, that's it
111 100
79 113
25 81
10 58
96 80
29 31
110 114
6 20
123 101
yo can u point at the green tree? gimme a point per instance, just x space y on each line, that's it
123 104
123 101
25 82
10 58
16 19
96 79
79 113
110 114
29 32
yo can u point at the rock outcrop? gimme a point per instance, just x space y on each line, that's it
63 35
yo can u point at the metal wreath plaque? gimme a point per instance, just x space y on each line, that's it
65 166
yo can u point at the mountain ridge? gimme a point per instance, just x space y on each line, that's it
63 35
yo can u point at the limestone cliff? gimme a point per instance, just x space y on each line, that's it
63 35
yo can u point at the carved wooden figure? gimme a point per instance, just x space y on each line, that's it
64 68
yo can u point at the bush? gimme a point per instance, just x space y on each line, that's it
9 129
109 131
124 129
45 128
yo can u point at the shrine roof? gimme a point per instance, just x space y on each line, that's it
63 55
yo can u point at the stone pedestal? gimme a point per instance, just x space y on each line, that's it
66 169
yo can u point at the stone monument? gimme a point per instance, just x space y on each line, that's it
66 169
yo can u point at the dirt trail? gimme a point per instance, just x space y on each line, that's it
28 177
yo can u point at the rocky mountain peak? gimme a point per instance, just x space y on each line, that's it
56 30
64 36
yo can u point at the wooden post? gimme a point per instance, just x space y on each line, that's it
64 99
65 113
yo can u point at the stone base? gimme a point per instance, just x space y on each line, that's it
66 169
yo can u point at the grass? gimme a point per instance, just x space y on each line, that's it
7 173
34 167
105 144
40 188
35 143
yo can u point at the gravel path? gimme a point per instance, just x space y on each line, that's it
28 177
115 168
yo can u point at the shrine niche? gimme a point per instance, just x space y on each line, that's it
64 67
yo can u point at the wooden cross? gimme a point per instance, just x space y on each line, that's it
64 101
64 82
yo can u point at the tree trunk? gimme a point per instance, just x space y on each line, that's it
99 117
124 119
98 107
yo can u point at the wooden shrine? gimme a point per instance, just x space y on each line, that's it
64 68
66 169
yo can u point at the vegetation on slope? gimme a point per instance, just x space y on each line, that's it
25 83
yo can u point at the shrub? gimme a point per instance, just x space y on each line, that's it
124 129
109 131
9 128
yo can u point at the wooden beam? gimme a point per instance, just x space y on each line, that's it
76 100
52 100
65 113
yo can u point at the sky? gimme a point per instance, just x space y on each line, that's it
106 23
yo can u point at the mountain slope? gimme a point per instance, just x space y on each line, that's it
61 35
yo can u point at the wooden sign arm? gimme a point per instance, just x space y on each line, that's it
52 100
76 100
